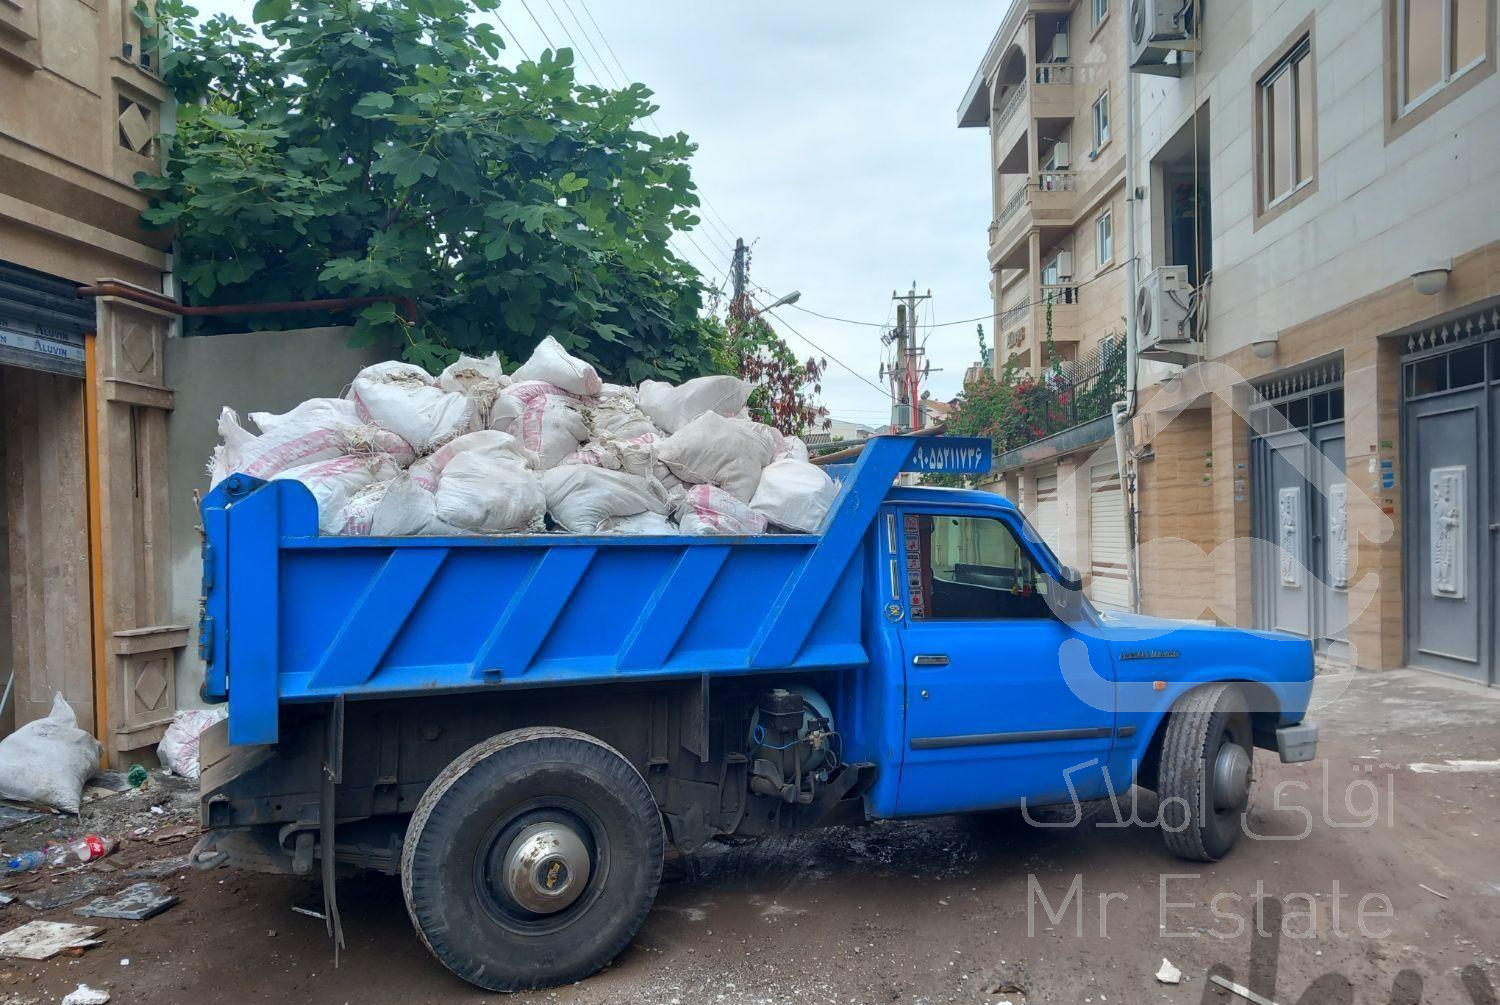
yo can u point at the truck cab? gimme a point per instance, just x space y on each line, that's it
522 727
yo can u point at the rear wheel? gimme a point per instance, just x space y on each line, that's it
532 859
1206 771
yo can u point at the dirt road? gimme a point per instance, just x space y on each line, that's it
957 910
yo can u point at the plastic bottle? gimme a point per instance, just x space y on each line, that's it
27 861
92 846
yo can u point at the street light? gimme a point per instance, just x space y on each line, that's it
790 298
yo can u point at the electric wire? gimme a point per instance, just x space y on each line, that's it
789 327
536 21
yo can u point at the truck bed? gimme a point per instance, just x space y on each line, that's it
289 615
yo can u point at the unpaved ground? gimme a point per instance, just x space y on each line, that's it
942 910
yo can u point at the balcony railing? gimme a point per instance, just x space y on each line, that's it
1054 73
1012 207
1013 102
1057 181
1059 293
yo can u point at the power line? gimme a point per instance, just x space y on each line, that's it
538 23
883 391
579 49
511 35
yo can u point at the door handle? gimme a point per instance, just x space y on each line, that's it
930 660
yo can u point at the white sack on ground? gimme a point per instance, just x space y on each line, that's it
707 509
713 450
469 372
580 498
550 422
336 481
485 493
178 749
639 523
403 399
794 495
551 364
47 760
672 408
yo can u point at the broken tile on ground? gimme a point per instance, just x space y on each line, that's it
40 940
160 868
134 903
15 816
65 892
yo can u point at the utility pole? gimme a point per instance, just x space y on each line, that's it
906 372
737 307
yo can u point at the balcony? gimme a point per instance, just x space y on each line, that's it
1062 298
1047 202
1052 95
1056 196
1013 220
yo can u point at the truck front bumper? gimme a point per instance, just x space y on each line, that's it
1297 743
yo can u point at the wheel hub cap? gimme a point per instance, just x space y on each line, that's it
1231 777
546 867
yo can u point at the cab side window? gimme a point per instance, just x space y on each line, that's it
963 568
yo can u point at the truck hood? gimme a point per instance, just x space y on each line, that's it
1183 649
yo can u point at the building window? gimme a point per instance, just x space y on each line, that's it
1285 127
1101 121
1101 8
1104 238
1436 41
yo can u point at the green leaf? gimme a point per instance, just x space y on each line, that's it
270 10
371 105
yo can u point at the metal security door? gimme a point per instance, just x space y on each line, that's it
1451 401
1299 509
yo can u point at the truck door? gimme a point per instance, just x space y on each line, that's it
990 719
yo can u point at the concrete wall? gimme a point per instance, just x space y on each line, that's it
253 371
1388 200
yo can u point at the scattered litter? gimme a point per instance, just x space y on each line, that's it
125 962
157 811
6 898
134 903
1167 973
1430 890
85 995
311 912
172 833
161 868
74 888
26 861
15 816
41 940
1454 767
47 760
138 777
1241 990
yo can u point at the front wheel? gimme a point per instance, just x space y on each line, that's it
1206 771
532 859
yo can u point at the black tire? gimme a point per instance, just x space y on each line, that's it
1201 816
462 841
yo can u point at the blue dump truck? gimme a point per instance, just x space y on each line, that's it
522 727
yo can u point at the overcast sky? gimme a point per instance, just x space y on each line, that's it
826 139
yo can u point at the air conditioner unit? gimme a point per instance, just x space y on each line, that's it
1060 47
1059 270
1164 329
1157 28
1057 158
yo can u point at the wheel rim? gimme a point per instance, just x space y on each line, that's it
541 866
1231 776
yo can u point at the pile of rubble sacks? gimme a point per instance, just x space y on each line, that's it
550 446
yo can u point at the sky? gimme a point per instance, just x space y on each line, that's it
827 140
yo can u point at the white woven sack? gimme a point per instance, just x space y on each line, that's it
673 407
707 509
795 495
335 481
551 363
47 760
468 372
485 493
403 399
638 523
580 498
550 422
713 450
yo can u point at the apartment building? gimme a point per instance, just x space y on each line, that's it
1048 91
1348 279
82 397
1314 439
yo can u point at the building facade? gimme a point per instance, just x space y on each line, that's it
1048 91
81 380
1314 440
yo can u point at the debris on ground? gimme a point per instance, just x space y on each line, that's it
62 892
178 749
1241 990
1167 973
85 995
41 940
134 903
